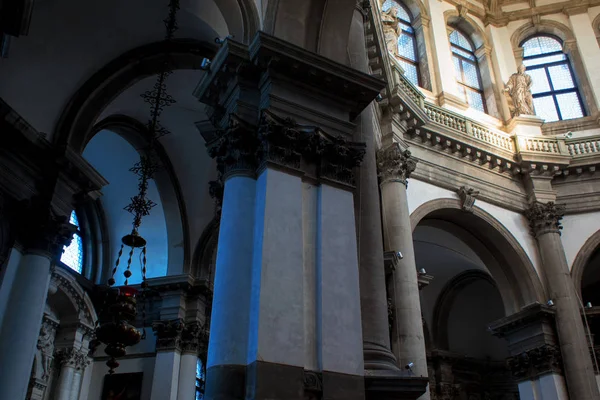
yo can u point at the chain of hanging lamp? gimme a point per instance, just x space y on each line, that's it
118 332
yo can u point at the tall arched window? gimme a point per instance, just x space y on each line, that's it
72 255
555 93
467 71
407 48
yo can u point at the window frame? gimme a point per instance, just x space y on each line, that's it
474 62
78 232
413 36
553 93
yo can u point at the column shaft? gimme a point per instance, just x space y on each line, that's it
166 375
21 324
579 373
66 381
373 299
186 389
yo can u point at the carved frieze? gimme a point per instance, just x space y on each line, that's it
536 362
168 334
395 164
313 385
545 217
467 195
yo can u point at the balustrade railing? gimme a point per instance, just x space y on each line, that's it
583 146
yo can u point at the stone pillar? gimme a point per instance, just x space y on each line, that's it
71 362
373 299
38 244
545 224
408 342
186 388
168 358
504 62
446 81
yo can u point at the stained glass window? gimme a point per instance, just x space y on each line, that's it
466 70
407 48
555 93
72 255
200 380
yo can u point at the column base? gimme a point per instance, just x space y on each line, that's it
225 382
388 386
266 380
378 357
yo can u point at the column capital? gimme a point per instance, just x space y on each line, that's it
533 363
71 357
168 334
395 164
545 217
191 338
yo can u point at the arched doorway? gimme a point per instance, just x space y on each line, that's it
480 274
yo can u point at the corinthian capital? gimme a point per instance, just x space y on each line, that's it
545 217
395 164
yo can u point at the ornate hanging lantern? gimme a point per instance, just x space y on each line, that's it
117 331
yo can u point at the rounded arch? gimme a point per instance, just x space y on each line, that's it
75 124
467 25
511 268
545 27
244 25
64 284
583 257
169 189
596 27
445 302
205 254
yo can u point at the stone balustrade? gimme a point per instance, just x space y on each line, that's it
583 146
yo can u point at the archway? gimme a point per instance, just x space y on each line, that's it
480 274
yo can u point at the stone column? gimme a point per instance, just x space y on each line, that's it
168 358
373 299
186 388
71 361
408 342
38 244
545 225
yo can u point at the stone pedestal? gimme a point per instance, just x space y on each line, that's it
525 125
579 373
408 342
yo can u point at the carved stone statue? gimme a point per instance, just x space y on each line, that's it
519 89
391 29
46 346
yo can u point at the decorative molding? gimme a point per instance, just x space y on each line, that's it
545 218
467 195
168 334
191 338
313 385
533 363
395 164
71 357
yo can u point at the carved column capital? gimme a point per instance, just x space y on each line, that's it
545 217
71 357
168 334
191 338
395 165
467 195
533 363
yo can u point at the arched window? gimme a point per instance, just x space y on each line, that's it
200 380
555 93
407 48
467 71
72 255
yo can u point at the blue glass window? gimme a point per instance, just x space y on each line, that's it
555 93
466 70
72 255
200 380
407 48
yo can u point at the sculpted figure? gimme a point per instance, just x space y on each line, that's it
519 89
45 345
390 29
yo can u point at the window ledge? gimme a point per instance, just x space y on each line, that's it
571 125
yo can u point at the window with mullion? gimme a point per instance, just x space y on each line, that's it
555 93
467 71
407 44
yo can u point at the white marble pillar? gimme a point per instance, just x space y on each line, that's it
21 324
67 376
588 47
166 375
408 342
186 388
444 70
547 387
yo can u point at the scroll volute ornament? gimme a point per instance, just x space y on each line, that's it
395 164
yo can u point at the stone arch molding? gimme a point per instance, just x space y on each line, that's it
509 264
582 259
596 27
64 282
467 25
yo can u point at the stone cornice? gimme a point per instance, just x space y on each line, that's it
545 218
513 323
